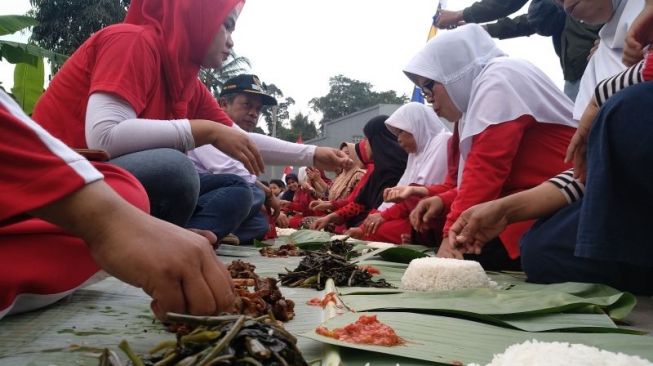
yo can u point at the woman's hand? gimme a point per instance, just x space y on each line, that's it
282 220
426 211
372 223
577 150
230 140
354 232
397 194
476 226
640 35
321 223
319 205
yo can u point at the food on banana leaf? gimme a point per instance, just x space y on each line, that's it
439 274
221 340
533 353
287 250
366 330
314 270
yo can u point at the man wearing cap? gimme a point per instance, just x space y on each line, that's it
243 97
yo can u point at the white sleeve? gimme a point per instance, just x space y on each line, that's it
112 125
278 152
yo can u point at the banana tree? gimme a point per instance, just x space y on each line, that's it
29 74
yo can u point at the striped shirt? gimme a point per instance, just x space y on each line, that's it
570 187
608 87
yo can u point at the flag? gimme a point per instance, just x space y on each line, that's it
417 91
288 169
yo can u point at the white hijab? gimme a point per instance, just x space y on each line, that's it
492 89
606 60
428 165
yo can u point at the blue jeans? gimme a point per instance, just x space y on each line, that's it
170 180
255 225
224 203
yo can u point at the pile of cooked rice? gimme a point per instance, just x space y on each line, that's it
535 353
285 231
440 274
380 245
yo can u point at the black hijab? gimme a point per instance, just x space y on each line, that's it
389 162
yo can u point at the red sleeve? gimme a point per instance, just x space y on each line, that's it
36 168
204 105
338 204
395 212
647 71
350 210
487 166
127 64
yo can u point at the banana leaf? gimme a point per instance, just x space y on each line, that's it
28 84
451 341
13 23
485 301
397 254
309 239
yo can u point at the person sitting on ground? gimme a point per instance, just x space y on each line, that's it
277 187
382 149
63 221
424 137
508 115
344 183
222 207
132 90
291 187
595 231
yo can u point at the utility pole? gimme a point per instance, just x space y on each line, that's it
273 169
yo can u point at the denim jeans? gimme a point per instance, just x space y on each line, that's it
224 203
170 180
255 225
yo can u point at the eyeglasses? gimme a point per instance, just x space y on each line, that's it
427 89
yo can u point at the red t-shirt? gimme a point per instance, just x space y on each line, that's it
123 60
504 159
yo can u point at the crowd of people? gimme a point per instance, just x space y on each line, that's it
130 166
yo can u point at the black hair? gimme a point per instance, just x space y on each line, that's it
279 183
292 176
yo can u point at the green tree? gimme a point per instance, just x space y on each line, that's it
300 125
347 96
283 104
214 79
65 24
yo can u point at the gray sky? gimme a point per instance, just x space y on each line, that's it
299 44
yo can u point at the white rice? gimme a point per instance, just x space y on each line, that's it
440 274
285 231
535 353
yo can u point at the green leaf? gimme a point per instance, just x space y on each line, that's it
485 301
13 23
397 254
309 239
260 244
28 85
450 341
16 52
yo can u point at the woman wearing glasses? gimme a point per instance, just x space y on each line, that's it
512 128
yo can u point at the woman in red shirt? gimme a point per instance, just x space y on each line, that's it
132 89
512 127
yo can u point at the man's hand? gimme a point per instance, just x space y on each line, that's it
640 35
331 159
449 19
447 250
372 223
273 206
397 194
426 210
476 226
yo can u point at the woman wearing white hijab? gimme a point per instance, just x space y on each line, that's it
512 126
424 137
607 59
